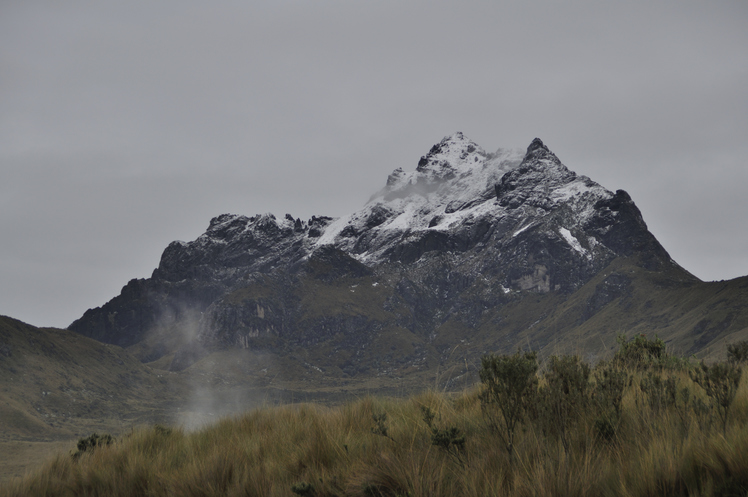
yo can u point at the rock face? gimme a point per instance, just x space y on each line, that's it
440 253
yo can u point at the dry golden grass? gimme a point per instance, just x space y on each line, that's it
314 450
16 456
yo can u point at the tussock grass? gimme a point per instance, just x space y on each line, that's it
344 451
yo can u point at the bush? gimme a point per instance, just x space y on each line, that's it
661 393
380 425
509 384
610 384
91 442
737 353
450 440
606 430
303 488
564 397
607 396
720 382
639 353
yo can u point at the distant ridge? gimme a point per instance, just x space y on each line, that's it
57 384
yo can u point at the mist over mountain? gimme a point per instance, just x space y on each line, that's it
471 252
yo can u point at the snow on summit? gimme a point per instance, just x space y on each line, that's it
454 184
454 173
457 196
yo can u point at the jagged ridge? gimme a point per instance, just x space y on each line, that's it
464 235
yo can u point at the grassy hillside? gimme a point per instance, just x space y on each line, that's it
692 317
647 442
56 383
57 386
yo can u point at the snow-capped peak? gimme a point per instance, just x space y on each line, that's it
454 158
458 197
454 155
454 177
453 152
456 185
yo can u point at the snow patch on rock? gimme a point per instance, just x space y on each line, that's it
573 242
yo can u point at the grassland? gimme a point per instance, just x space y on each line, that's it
658 440
57 386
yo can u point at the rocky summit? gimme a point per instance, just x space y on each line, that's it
470 252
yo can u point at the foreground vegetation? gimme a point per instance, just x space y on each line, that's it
644 423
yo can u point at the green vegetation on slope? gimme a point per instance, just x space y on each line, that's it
55 384
636 425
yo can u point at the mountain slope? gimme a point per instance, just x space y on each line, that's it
471 252
57 384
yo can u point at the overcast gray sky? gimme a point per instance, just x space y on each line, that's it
126 125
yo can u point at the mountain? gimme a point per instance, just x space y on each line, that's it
56 384
469 253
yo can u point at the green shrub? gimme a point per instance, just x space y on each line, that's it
610 385
450 439
380 425
639 352
303 488
509 385
737 353
720 382
660 392
564 398
703 411
606 430
607 396
91 442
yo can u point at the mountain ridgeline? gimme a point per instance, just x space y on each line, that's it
472 252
